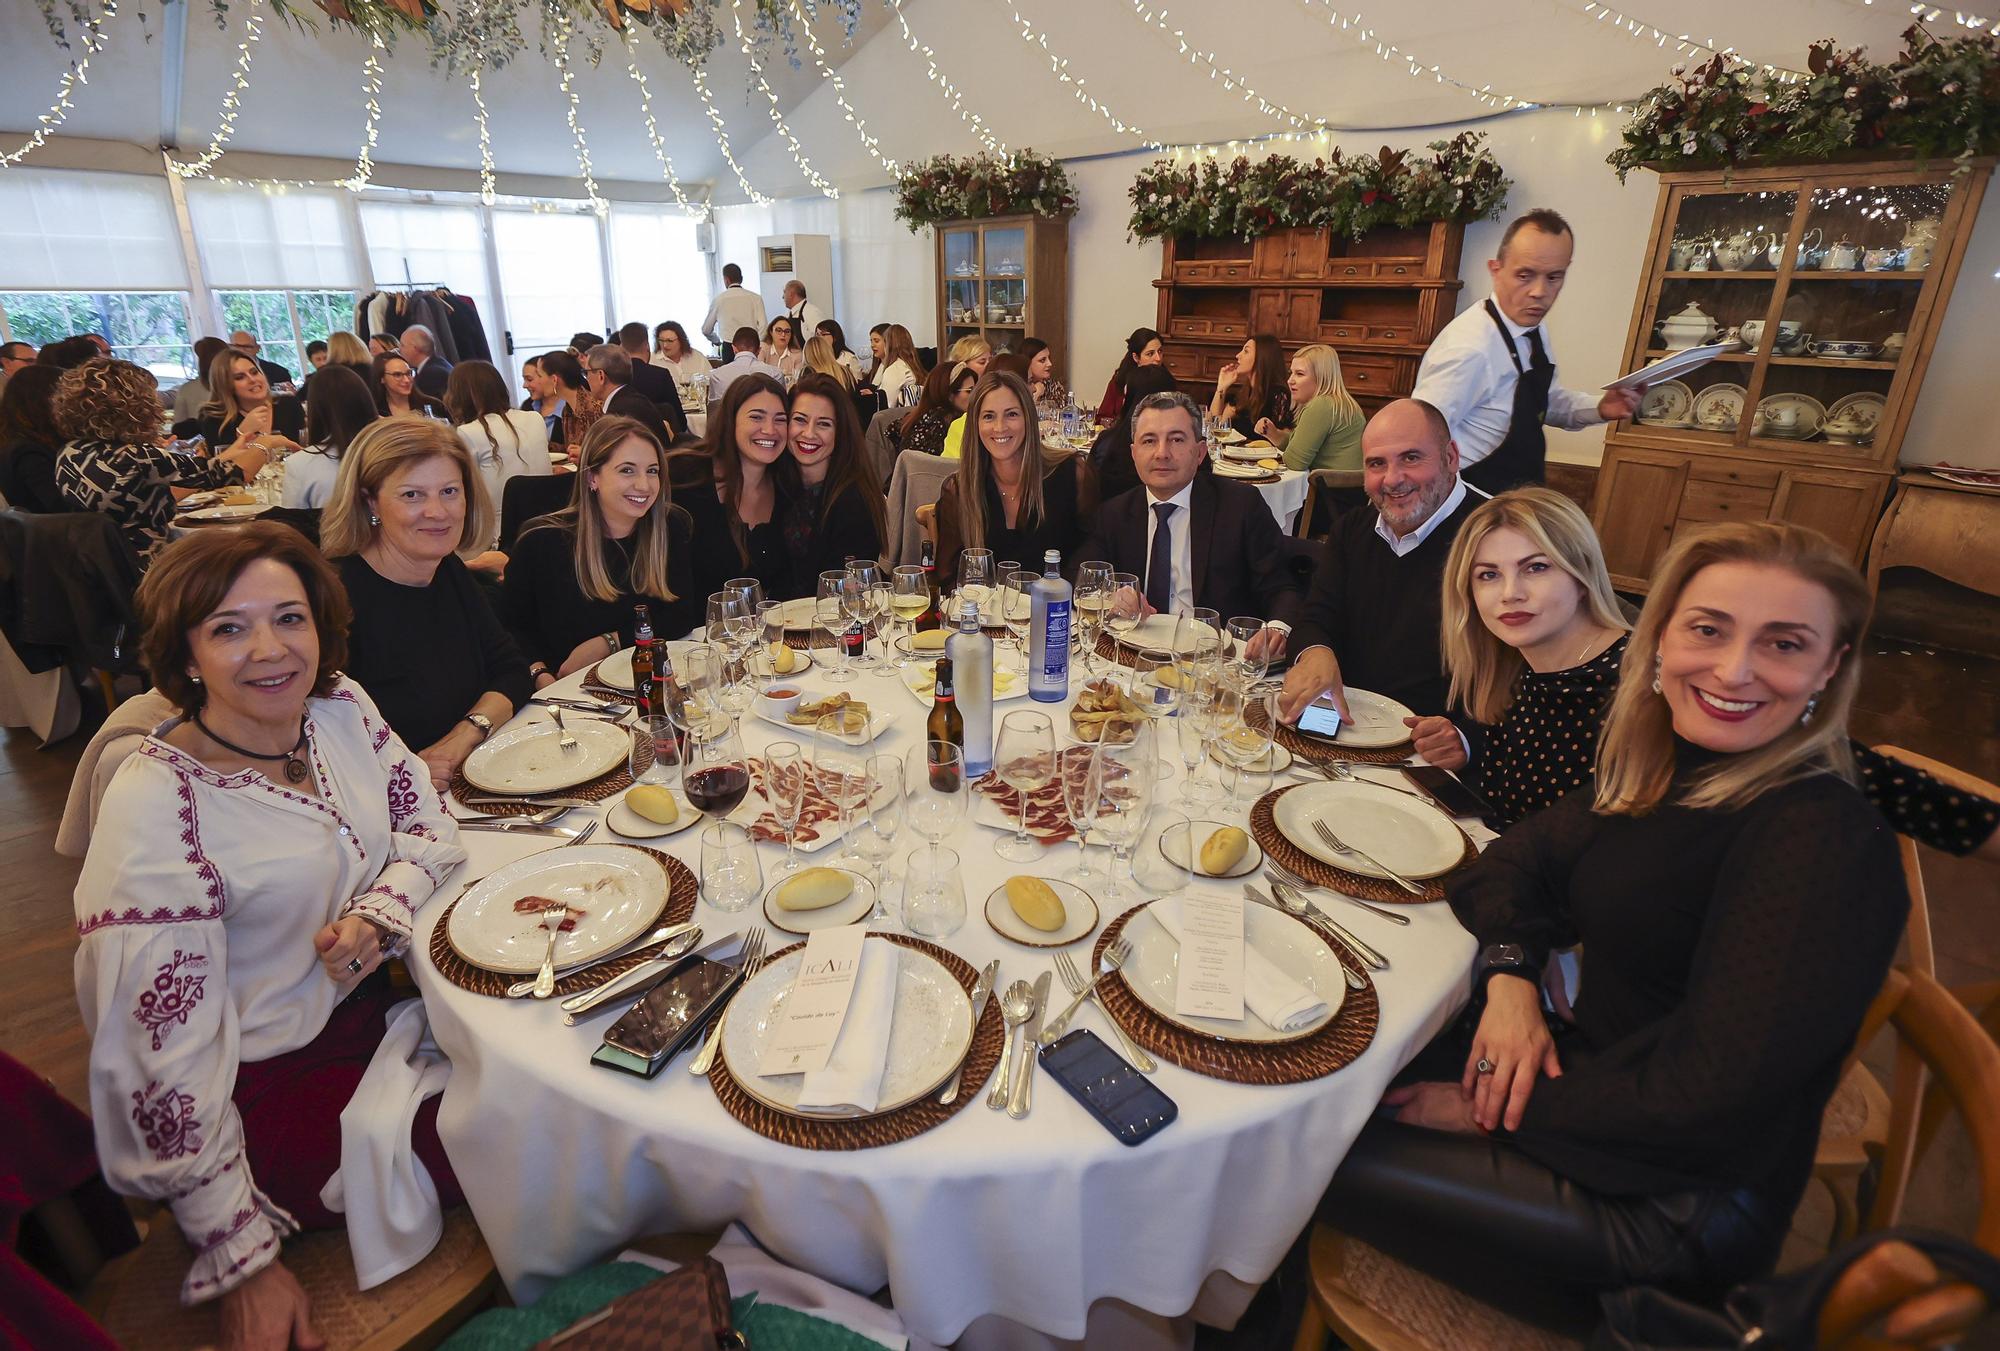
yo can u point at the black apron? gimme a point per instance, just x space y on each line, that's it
1523 456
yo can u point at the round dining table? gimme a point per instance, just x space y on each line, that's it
985 1230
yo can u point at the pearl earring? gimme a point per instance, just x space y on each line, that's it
1812 706
373 519
195 679
1658 661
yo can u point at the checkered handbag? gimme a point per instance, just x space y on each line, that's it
685 1310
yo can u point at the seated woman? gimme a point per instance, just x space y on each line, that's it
1251 388
831 330
1111 452
1533 638
241 408
575 575
1327 422
274 841
114 462
1740 903
341 406
782 350
898 371
945 395
1051 395
739 516
394 381
30 441
832 512
1010 495
503 441
688 367
567 406
820 360
425 642
1142 348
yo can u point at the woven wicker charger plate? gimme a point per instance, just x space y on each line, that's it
1322 752
988 1036
681 890
1240 1062
594 685
1264 830
597 790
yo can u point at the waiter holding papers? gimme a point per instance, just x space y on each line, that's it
1491 373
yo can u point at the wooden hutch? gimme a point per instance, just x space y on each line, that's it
1005 279
1811 233
1377 300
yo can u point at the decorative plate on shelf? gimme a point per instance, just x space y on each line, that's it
1865 408
1789 417
1667 404
1719 407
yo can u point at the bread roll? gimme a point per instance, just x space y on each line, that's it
815 889
1036 902
654 803
928 640
1223 851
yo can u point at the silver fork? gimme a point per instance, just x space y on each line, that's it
1072 976
564 741
753 958
1114 957
545 979
1333 842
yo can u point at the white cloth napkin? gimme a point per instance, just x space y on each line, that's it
382 1187
1268 992
852 1075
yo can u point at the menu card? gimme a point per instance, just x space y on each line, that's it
817 1004
1211 964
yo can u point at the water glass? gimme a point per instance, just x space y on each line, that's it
1126 775
933 893
830 622
730 875
1198 635
880 822
1017 604
656 752
1024 758
785 791
975 580
936 793
1249 650
1077 766
1164 862
1155 682
840 765
1127 602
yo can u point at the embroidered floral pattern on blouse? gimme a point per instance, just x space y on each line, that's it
239 1222
165 1116
176 990
191 837
404 800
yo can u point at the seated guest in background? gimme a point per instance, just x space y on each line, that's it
14 356
945 396
782 350
671 350
831 330
425 642
655 384
1371 616
113 461
575 575
832 512
1324 430
30 440
344 349
581 343
609 371
974 351
1111 452
1050 393
340 408
67 353
244 341
1250 388
576 408
241 407
532 386
1193 539
193 394
898 371
1142 348
743 361
739 517
316 355
419 348
502 440
1011 495
381 344
1740 904
396 392
274 841
820 360
805 315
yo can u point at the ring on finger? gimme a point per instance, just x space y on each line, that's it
354 966
1485 1066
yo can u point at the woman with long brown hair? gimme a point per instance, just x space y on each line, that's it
946 393
784 349
394 381
504 440
739 515
1011 495
241 407
567 406
1251 387
1143 347
898 371
834 512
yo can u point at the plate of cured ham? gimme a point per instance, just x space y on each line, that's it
610 894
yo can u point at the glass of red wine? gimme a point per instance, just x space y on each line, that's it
718 772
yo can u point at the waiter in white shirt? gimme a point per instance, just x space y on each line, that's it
1490 371
806 316
737 307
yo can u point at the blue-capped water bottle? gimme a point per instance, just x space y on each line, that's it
1048 629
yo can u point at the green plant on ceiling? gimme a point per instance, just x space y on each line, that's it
948 188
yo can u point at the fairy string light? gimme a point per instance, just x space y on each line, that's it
487 192
1059 67
948 90
1685 44
78 74
777 116
827 73
700 72
699 210
1230 80
232 99
559 51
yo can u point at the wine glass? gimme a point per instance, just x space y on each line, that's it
1125 775
731 877
909 597
1092 595
730 623
934 781
1121 616
1193 731
701 683
975 579
655 757
717 776
1024 758
747 625
830 619
1248 657
840 766
875 833
1076 766
1017 604
785 790
1155 679
858 598
771 616
1244 726
1198 635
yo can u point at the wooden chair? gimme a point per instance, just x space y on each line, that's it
1371 1300
1340 489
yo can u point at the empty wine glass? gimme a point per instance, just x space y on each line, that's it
1125 775
1076 766
933 893
1244 723
1123 613
1092 595
975 580
1155 681
830 620
858 597
1249 654
771 617
880 822
1198 635
1024 757
1193 730
1017 604
785 790
731 629
701 689
935 790
840 766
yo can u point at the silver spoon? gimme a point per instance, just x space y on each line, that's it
1016 1006
1299 887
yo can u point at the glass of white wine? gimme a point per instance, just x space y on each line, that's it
1244 723
1093 594
1122 613
909 597
975 580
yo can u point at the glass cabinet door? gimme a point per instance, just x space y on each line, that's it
961 252
1007 252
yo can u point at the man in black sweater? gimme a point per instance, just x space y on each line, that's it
1371 617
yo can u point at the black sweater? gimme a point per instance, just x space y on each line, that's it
28 477
1732 955
1380 613
288 419
550 615
821 539
716 557
425 654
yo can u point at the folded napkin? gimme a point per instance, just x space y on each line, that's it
1269 993
852 1076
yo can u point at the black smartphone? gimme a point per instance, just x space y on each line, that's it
1126 1102
1448 791
671 1012
1320 718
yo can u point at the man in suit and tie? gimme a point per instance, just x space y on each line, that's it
655 382
805 315
609 373
419 348
1193 539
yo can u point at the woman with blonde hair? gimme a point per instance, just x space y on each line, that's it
424 642
576 574
241 408
821 359
1326 421
973 350
1011 495
1740 903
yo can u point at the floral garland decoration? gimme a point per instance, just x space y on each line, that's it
1345 195
945 188
1937 98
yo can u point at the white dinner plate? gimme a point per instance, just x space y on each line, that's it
620 892
920 679
616 670
1405 833
839 915
242 512
1252 451
878 722
1157 631
1228 436
931 1032
1377 721
1079 916
1173 844
1276 760
624 821
1247 471
798 614
1866 407
1153 972
526 757
797 660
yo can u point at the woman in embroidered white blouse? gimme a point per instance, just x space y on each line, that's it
271 846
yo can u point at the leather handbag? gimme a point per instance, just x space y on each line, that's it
685 1310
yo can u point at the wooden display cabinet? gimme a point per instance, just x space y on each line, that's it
1005 279
1732 457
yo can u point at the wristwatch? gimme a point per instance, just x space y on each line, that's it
480 721
1503 959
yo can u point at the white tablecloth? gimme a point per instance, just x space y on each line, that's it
1031 1222
1285 497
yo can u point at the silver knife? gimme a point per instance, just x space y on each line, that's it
1022 1101
982 991
1354 982
528 802
1327 924
577 1005
512 826
666 933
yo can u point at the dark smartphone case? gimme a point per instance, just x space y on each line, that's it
1124 1101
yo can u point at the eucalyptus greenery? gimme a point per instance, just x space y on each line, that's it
948 188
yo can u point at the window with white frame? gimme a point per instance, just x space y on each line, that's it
147 328
657 271
284 265
430 244
552 272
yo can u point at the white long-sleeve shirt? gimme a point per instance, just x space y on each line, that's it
197 906
736 307
1468 376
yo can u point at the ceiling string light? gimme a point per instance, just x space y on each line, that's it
364 159
1684 44
232 100
1231 82
487 191
777 115
946 88
559 51
700 73
1059 67
826 72
699 210
78 74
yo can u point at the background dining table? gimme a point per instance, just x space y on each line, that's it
988 1232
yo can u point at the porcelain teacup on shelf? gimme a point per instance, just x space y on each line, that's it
1688 255
1788 333
1780 421
1740 250
1844 255
1882 260
1892 346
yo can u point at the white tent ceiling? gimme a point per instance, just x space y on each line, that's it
304 97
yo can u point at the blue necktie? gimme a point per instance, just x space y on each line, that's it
1160 567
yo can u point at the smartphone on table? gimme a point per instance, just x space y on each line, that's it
667 1017
1320 718
1447 791
1124 1101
